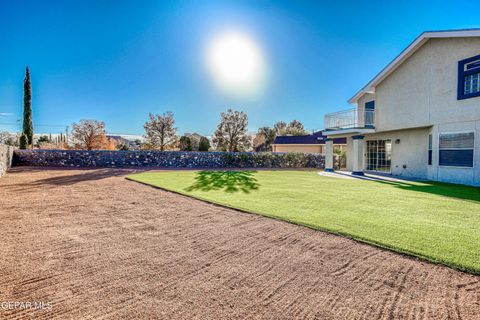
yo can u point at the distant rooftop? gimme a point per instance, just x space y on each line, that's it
315 138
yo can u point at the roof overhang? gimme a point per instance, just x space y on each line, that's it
407 52
298 144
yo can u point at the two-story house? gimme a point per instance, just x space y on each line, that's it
420 116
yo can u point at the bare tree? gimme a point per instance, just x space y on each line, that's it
89 135
231 134
8 138
280 128
160 132
265 137
295 128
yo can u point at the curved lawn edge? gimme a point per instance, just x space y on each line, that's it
364 240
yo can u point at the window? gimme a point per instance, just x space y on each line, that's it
472 84
430 153
379 155
469 78
370 105
369 117
456 149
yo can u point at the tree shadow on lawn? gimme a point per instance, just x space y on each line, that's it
457 191
229 181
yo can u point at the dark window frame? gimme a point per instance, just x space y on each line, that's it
370 105
471 68
445 155
430 149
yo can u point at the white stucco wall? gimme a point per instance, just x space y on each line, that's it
361 107
411 151
461 175
349 154
423 90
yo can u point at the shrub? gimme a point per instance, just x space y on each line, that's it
185 144
271 160
204 144
123 147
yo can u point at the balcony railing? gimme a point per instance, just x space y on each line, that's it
350 119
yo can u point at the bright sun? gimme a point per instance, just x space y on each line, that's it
236 63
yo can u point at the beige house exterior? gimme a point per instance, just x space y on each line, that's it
305 148
420 116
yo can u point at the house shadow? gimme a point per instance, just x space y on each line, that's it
228 181
85 176
456 191
65 178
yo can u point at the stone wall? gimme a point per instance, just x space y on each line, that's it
6 153
165 159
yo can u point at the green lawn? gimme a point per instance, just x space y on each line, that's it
435 221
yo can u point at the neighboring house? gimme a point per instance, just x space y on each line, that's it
420 116
312 143
119 140
194 139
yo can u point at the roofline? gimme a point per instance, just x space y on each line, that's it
307 144
296 144
408 51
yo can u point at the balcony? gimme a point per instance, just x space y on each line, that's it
350 120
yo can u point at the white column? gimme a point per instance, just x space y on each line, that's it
357 155
329 155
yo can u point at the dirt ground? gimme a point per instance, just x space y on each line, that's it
90 244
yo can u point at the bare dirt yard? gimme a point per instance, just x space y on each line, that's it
94 245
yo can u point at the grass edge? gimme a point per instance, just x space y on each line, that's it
406 253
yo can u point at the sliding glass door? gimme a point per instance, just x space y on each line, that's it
379 155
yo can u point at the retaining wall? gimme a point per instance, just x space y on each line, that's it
6 153
165 159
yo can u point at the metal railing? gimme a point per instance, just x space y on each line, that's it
349 119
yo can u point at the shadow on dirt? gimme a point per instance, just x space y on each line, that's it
62 176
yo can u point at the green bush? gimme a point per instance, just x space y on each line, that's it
185 144
272 160
204 144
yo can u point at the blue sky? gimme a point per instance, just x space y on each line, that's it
117 61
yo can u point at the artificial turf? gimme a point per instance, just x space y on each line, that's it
435 221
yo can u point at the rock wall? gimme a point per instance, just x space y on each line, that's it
6 153
165 159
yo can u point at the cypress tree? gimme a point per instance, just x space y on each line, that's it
23 143
27 108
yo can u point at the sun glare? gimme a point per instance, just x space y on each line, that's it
236 63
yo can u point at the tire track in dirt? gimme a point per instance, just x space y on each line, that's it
106 248
353 263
